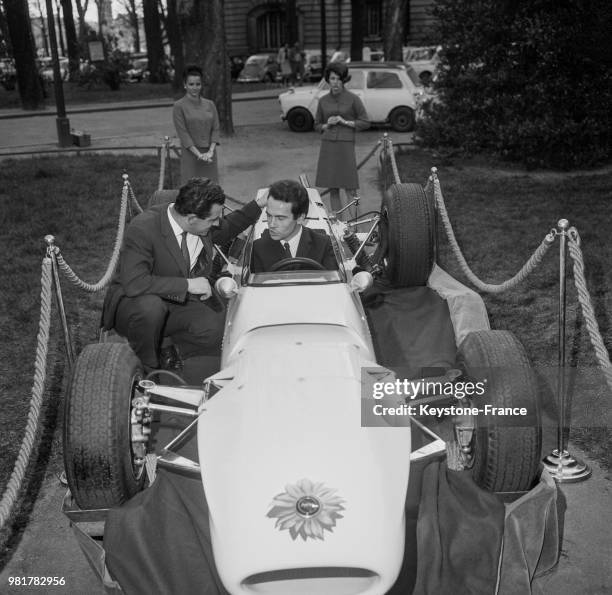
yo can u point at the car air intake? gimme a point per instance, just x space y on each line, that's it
306 581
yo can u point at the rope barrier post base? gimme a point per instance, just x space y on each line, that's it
562 466
50 241
566 468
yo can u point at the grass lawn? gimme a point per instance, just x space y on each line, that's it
500 216
75 95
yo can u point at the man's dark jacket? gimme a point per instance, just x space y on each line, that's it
317 246
151 261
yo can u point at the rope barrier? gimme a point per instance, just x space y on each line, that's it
587 307
133 199
106 278
526 269
40 366
162 166
388 148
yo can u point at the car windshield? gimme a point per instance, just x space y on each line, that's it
293 278
356 82
256 60
414 77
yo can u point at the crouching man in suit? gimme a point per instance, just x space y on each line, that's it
161 288
286 237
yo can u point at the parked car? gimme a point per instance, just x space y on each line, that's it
313 65
424 60
307 479
8 74
390 93
260 68
138 70
45 68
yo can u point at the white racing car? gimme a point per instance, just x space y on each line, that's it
305 469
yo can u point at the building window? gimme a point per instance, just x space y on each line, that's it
270 29
373 18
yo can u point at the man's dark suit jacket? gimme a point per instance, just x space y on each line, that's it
151 261
317 246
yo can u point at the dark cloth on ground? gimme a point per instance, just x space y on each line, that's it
317 246
414 334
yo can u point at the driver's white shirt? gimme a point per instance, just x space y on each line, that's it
294 242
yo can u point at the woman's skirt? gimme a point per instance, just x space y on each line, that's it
337 166
191 167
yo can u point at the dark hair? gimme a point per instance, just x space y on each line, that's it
339 68
197 196
192 70
292 192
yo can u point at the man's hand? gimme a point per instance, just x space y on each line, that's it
262 200
199 286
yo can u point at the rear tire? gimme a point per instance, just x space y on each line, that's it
160 197
97 447
402 119
300 120
406 230
506 450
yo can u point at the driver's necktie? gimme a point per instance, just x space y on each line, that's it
286 250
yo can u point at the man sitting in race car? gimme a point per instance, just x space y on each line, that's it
286 237
161 288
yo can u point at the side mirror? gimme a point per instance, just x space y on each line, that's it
361 281
226 287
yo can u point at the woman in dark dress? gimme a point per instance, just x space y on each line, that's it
339 114
197 125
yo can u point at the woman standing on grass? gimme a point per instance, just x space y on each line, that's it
197 125
339 114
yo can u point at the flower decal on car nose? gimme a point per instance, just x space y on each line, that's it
306 509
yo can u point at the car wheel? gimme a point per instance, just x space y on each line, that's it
98 457
300 120
505 450
160 197
406 232
402 119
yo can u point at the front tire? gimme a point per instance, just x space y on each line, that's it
300 120
402 119
506 450
97 433
406 231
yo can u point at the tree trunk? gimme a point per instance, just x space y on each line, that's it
176 45
394 28
81 10
357 28
133 16
203 34
60 32
72 43
155 49
24 52
43 29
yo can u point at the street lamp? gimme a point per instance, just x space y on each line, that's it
64 139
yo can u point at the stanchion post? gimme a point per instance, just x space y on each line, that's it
50 241
434 177
563 467
168 162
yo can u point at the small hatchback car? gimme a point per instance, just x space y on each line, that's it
390 92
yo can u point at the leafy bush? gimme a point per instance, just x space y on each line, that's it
528 80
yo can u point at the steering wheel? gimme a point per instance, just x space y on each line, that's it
299 261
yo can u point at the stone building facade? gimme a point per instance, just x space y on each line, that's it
259 25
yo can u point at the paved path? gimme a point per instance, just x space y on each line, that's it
250 160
